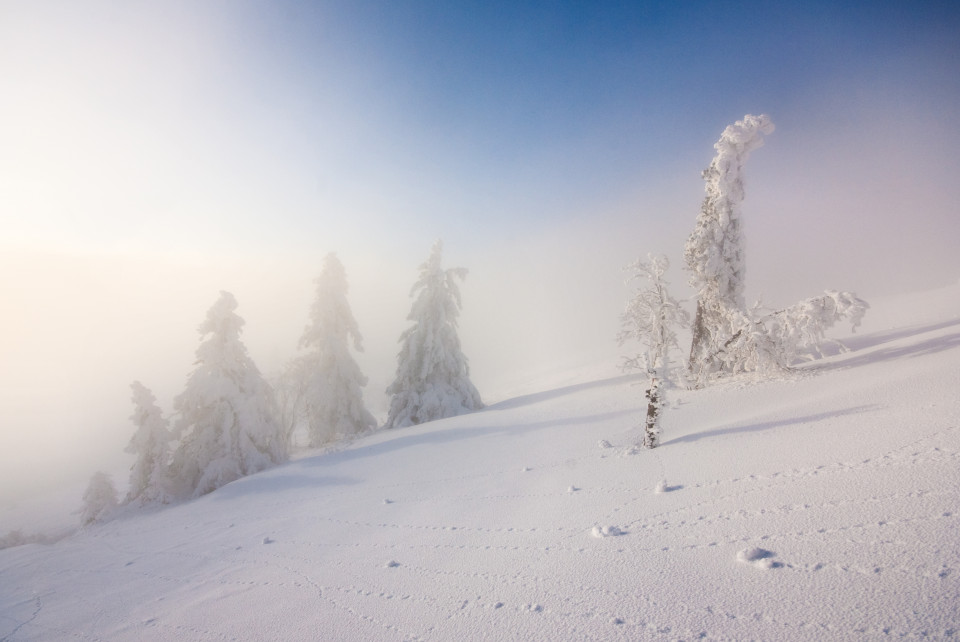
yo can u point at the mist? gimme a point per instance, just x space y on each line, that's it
154 156
83 326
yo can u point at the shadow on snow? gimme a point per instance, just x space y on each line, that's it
278 480
452 434
857 357
539 397
768 425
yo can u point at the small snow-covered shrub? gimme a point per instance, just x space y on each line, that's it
99 500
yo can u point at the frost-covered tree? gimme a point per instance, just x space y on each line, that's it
99 500
332 384
226 415
727 338
149 475
651 317
714 253
433 377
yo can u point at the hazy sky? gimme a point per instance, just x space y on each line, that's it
152 154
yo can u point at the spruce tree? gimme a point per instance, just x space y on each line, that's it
149 475
332 384
433 376
226 414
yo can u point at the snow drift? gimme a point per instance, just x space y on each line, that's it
820 506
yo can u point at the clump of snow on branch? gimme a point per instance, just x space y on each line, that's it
433 375
226 415
771 342
149 476
330 381
799 330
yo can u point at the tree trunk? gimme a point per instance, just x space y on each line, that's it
651 434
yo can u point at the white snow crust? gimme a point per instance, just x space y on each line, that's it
843 486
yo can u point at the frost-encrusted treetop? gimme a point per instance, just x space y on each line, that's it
332 381
330 314
433 375
227 413
714 251
652 315
222 328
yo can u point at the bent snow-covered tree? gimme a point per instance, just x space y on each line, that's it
433 377
714 252
226 414
651 318
149 475
332 384
726 337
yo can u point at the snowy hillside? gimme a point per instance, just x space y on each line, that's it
825 506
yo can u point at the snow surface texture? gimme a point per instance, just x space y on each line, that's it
823 507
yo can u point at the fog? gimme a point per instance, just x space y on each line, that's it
81 326
151 157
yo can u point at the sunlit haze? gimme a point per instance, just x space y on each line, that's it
153 154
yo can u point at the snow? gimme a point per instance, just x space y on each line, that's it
819 507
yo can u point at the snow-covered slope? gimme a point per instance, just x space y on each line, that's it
826 506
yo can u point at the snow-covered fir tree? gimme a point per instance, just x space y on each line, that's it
149 475
226 415
433 377
714 253
331 384
651 317
99 500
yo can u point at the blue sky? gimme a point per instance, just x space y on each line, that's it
469 119
152 154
